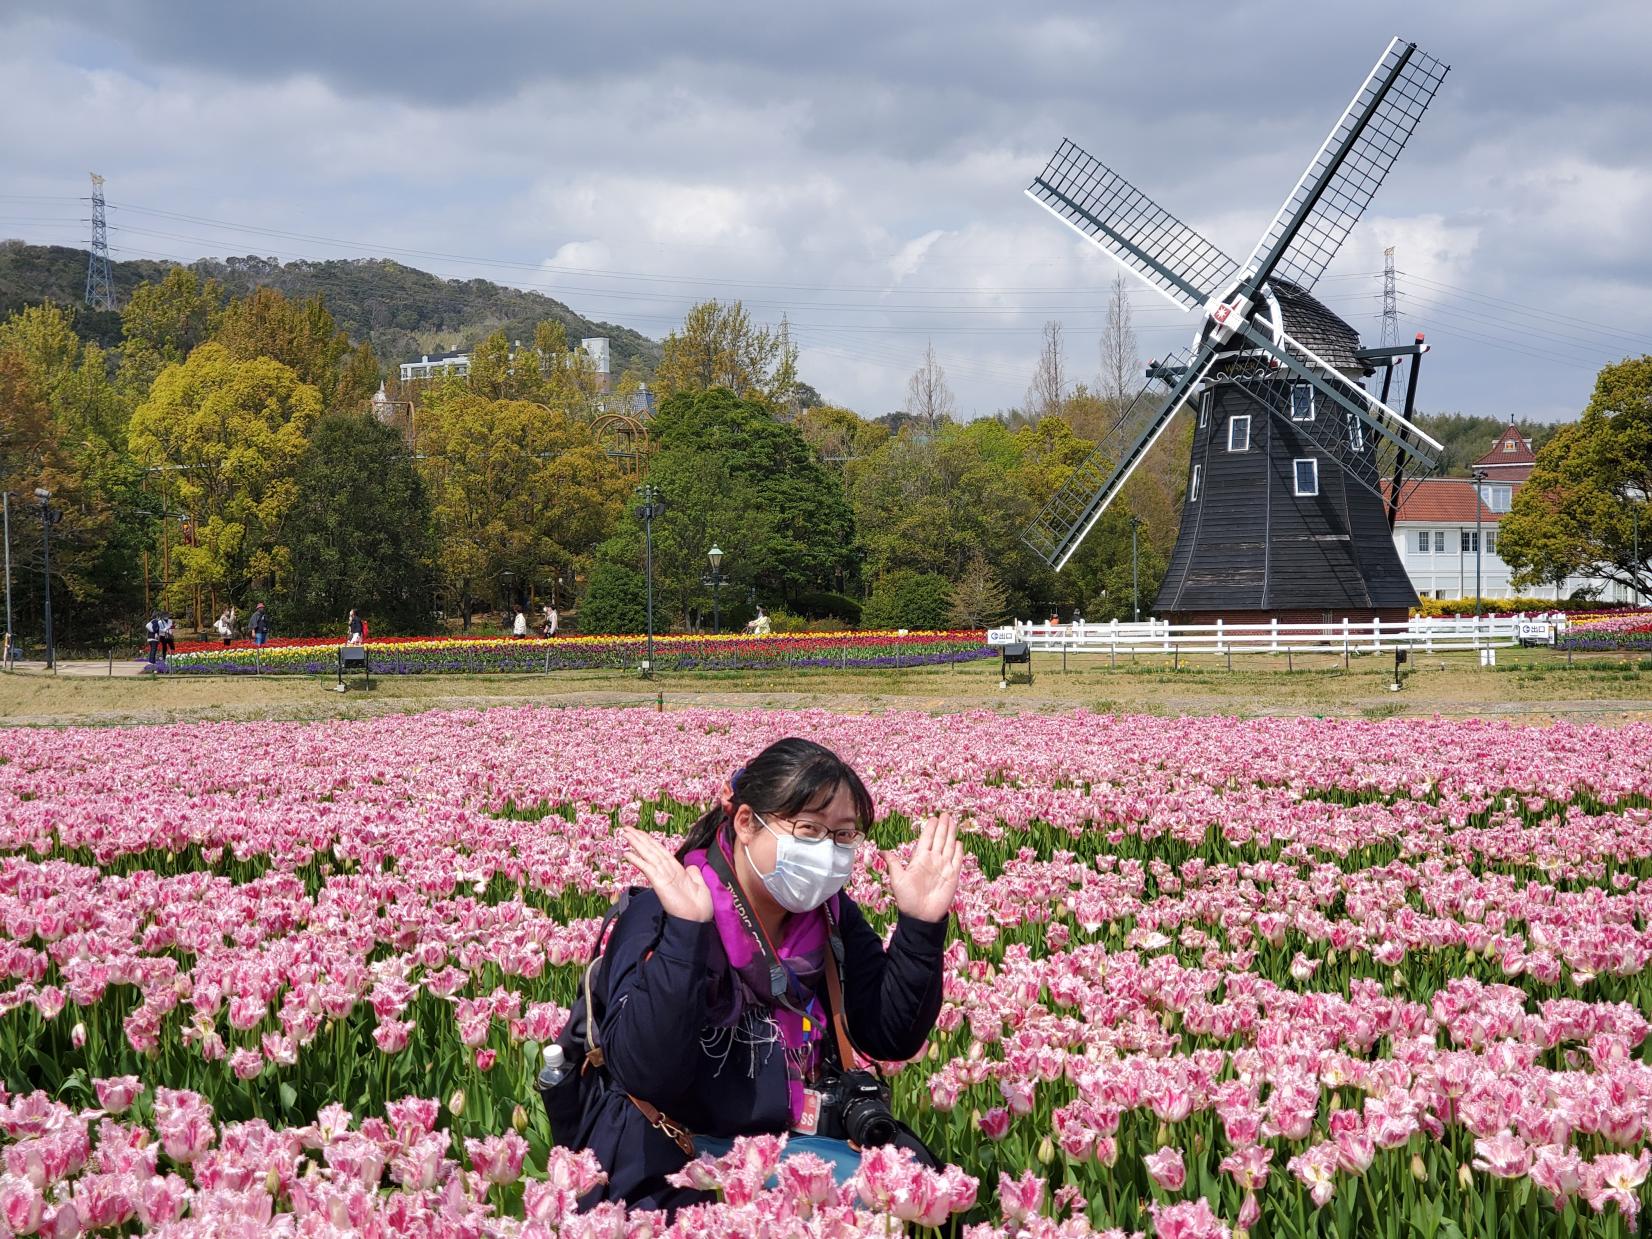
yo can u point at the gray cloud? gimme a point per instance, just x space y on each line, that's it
838 163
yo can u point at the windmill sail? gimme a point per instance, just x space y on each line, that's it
1349 167
1100 204
1072 512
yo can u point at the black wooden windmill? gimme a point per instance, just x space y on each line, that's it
1297 470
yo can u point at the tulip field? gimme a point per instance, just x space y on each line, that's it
1286 977
1622 630
698 652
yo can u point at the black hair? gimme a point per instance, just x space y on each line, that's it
789 776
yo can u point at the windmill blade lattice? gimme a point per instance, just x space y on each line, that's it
1062 524
1349 167
1090 197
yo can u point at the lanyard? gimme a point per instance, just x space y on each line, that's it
779 979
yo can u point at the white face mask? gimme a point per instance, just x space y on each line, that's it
807 872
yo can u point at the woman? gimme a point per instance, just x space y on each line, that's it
691 1025
358 628
226 626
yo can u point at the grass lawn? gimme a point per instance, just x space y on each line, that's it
1535 685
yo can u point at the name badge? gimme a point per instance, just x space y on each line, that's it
809 1120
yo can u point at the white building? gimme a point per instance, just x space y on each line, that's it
432 366
1438 538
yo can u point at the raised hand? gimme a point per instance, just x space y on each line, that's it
925 885
682 891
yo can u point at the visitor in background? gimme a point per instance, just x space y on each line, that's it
759 626
152 633
358 628
169 636
226 626
260 625
549 627
519 627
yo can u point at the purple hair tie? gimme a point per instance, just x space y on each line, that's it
734 779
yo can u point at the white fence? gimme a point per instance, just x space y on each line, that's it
1343 637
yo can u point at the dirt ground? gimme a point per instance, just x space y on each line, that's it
1535 686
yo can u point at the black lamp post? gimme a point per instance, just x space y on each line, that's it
48 517
714 578
652 508
1135 570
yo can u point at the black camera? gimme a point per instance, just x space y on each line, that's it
854 1106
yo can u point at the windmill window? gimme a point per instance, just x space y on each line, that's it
1307 476
1302 402
1239 433
1356 433
1193 489
1204 411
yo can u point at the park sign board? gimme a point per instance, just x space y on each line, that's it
1535 632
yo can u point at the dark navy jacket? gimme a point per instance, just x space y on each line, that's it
658 1044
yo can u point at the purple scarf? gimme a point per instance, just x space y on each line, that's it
802 952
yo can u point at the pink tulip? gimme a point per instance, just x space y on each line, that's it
1166 1168
995 1123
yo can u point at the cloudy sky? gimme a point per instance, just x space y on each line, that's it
859 166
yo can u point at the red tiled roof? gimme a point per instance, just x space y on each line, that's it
1442 499
1511 448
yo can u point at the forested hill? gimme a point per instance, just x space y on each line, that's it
402 311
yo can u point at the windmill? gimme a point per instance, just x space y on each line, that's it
1295 464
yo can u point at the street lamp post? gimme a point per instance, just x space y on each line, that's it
5 500
1135 570
1479 507
48 517
714 578
652 508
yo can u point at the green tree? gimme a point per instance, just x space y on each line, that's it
359 532
226 436
839 435
732 475
978 598
719 346
545 371
302 336
616 598
912 600
97 560
162 324
1577 514
515 487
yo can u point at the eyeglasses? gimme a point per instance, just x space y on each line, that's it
814 832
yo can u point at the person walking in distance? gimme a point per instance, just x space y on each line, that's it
519 626
169 636
260 625
548 628
225 626
152 635
358 628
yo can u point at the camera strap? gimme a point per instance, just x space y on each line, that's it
834 993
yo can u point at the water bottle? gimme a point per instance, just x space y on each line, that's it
555 1069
